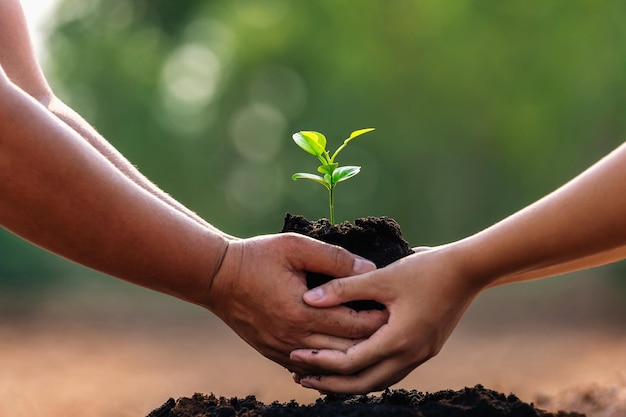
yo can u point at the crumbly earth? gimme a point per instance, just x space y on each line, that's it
469 402
378 239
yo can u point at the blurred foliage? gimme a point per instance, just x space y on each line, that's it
479 107
19 261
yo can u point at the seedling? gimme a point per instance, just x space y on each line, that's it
332 174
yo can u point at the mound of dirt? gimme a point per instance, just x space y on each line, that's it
469 402
378 239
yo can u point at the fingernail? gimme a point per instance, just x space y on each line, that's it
362 266
315 294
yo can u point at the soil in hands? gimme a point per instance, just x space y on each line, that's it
469 402
378 239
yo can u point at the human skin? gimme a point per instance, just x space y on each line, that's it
578 226
66 189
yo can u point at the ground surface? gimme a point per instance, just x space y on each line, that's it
112 354
476 401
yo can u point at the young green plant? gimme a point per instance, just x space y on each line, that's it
332 174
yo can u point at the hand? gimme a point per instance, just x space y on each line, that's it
258 291
425 294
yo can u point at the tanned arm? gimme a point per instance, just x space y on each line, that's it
17 57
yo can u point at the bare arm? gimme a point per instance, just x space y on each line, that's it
580 225
78 124
60 193
586 262
17 57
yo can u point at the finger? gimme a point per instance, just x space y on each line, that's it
316 256
342 290
360 356
324 341
345 322
376 378
340 384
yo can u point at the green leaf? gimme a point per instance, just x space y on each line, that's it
352 136
312 142
327 168
359 133
344 173
312 177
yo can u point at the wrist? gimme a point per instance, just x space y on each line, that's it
215 252
474 264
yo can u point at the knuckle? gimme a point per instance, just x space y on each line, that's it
298 323
342 258
354 330
423 354
290 240
338 287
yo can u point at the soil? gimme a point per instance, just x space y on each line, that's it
378 239
469 402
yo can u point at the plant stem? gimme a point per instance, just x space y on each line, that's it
331 196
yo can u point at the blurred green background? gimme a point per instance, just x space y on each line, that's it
479 107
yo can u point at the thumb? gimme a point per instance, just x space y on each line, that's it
341 290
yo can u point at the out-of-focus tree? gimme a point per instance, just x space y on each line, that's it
479 107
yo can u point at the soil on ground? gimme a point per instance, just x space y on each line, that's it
469 402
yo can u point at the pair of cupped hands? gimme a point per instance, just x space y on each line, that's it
260 292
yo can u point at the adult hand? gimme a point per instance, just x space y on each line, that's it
258 291
425 294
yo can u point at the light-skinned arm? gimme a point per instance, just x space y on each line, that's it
580 225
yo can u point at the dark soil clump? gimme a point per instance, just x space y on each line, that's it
468 402
375 238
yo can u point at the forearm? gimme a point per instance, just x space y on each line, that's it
580 264
84 129
580 225
60 193
18 60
